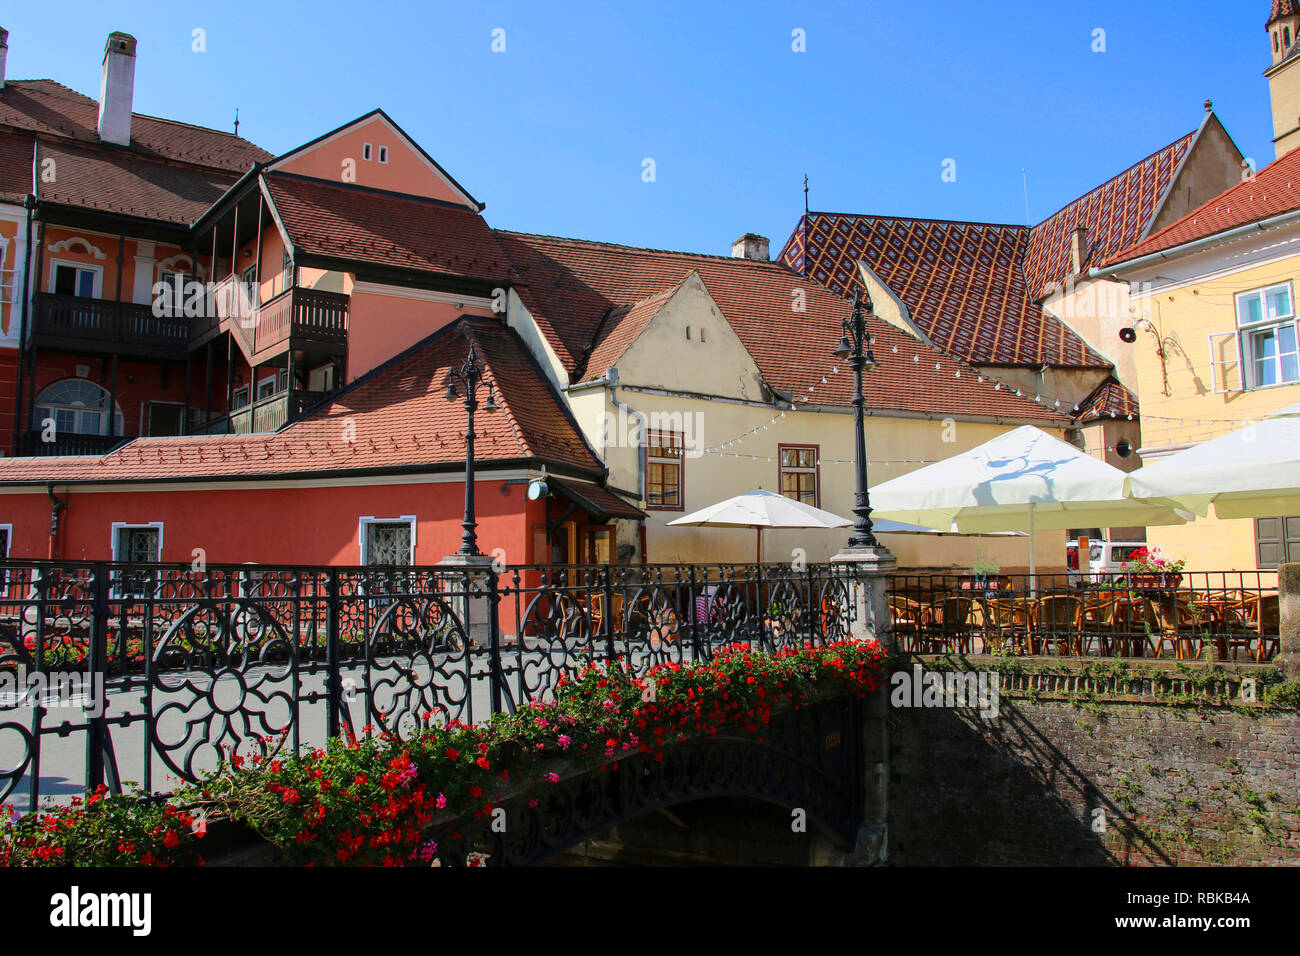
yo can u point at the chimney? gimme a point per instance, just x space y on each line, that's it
750 246
116 89
4 48
1078 248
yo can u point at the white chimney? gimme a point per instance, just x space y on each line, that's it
1078 248
750 246
4 48
116 89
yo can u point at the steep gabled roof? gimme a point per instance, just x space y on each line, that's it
1109 400
52 109
620 328
1116 214
386 229
1275 189
572 285
961 283
400 415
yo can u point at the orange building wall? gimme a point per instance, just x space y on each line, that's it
406 170
380 326
314 526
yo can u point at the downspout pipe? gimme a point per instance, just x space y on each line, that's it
611 381
56 506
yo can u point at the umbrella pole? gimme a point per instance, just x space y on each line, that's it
758 530
1033 581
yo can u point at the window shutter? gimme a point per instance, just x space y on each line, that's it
1291 526
1269 542
1227 365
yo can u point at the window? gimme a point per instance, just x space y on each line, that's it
135 544
388 541
1266 322
1277 541
78 407
70 279
383 154
663 474
798 473
251 285
365 151
286 269
163 419
240 398
267 387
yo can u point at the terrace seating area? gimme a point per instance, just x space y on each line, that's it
1230 616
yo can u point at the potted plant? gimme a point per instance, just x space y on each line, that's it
984 576
1150 568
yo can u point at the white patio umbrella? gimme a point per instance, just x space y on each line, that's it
1022 480
885 526
760 509
1253 472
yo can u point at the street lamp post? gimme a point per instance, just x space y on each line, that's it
463 384
855 347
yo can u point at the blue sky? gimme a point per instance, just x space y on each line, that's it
553 132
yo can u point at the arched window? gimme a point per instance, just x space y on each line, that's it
77 406
1275 41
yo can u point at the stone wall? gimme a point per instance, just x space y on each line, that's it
1164 766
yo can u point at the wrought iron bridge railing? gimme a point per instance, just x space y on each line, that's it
1230 615
154 674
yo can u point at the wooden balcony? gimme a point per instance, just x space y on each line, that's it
266 415
297 318
85 445
74 323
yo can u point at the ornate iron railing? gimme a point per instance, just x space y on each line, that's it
1228 615
156 673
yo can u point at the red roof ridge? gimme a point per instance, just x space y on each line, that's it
937 222
661 252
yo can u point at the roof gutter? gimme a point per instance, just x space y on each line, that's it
1186 248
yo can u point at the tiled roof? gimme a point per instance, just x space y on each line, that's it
50 108
15 167
1116 214
1282 8
961 282
572 284
386 229
401 417
600 502
1110 399
119 182
620 329
1275 189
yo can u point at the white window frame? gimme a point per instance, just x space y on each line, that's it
367 150
120 525
383 155
1246 334
98 271
275 389
366 520
234 396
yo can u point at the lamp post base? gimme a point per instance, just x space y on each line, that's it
870 568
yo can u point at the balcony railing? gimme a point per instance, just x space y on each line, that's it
102 325
265 415
64 444
306 315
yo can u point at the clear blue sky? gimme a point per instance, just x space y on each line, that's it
551 134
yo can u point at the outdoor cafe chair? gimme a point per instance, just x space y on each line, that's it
960 617
1059 619
1008 622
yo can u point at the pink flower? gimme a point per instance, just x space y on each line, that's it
553 777
541 722
564 740
441 802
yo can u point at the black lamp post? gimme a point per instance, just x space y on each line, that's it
463 384
854 347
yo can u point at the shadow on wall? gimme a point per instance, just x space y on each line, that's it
965 791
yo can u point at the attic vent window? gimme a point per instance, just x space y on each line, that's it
383 154
365 151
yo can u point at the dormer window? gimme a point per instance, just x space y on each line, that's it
366 150
383 154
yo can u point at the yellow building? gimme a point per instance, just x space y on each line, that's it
699 377
1213 321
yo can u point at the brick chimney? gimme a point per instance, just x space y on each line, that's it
4 48
751 246
116 89
1078 248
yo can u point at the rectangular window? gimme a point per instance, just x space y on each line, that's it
267 387
164 418
135 544
75 280
383 154
1266 321
251 286
388 542
365 151
798 473
665 459
240 398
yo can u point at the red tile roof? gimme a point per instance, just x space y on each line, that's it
573 284
961 282
15 167
1274 190
401 418
119 182
51 109
1282 8
1116 214
387 229
620 329
1110 399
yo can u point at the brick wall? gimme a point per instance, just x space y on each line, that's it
1173 783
